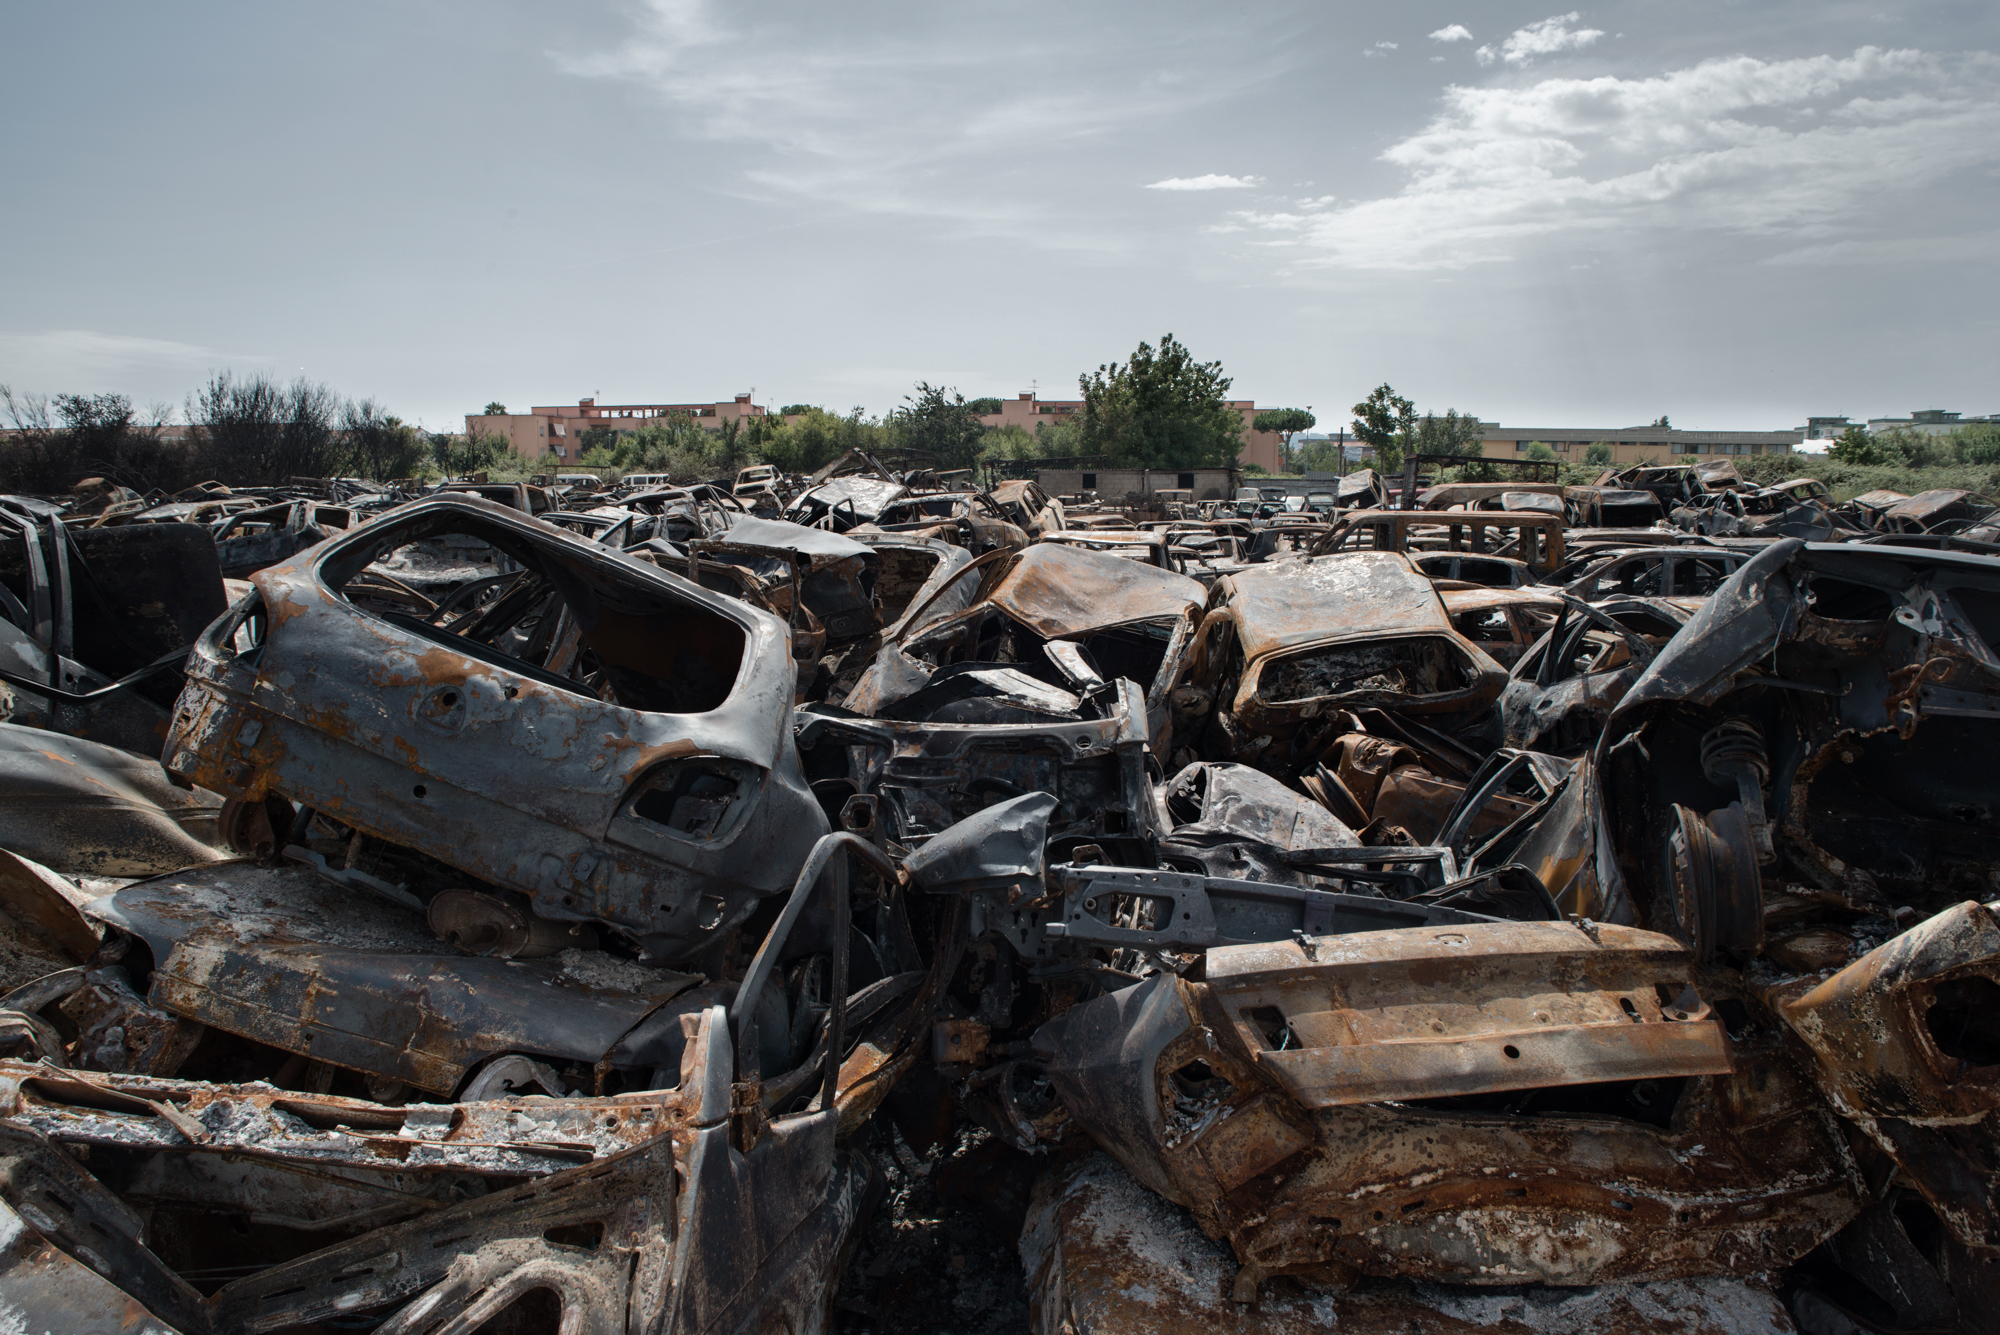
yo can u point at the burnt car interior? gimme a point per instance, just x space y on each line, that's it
564 621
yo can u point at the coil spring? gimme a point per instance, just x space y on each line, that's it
1731 745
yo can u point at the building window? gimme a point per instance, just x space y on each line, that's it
1090 482
1187 482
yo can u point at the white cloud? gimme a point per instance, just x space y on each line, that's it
1209 182
1380 49
1716 147
1437 60
1545 38
1452 32
908 117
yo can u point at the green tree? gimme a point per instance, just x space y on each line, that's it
1011 442
1160 409
795 409
1060 438
941 421
1286 422
462 456
1857 445
1661 421
379 446
984 407
818 437
1454 433
1916 449
1385 420
1540 452
1599 454
494 409
1977 444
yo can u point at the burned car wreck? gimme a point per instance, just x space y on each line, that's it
571 921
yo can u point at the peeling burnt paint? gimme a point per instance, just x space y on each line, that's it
427 739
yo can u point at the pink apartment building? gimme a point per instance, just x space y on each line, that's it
555 430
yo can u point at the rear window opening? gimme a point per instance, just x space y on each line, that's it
549 614
1634 579
916 512
1488 626
1424 666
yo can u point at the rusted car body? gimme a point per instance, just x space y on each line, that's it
1283 647
655 711
1820 679
1536 540
1104 1253
919 580
1483 495
1651 572
1562 688
843 502
836 575
1502 621
1943 510
954 751
94 623
249 540
1362 489
1139 545
968 519
1273 1100
1032 509
1497 572
1132 620
1613 507
1671 484
664 1210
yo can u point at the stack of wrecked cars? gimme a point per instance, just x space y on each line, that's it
490 915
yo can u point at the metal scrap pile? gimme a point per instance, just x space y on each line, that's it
545 906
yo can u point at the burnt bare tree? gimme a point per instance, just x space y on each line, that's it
57 442
257 432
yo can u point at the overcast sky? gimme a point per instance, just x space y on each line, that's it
1733 213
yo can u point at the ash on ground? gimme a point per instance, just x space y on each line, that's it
941 1253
